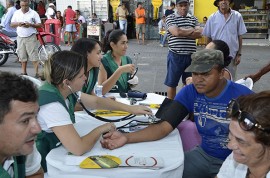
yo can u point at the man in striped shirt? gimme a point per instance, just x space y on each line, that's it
183 28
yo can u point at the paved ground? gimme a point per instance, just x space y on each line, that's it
152 64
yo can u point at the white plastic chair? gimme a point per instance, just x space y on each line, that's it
36 82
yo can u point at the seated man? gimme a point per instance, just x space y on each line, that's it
207 100
7 30
19 128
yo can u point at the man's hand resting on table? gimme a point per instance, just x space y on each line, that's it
113 140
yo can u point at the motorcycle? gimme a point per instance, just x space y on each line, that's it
8 46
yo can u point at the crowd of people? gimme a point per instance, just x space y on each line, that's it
232 121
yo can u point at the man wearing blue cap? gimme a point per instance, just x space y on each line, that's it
182 30
227 25
206 101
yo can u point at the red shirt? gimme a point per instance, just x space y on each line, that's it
69 16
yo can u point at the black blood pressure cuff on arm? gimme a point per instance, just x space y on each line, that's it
172 111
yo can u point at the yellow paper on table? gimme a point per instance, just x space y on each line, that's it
100 162
109 113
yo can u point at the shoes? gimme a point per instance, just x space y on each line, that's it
161 45
23 74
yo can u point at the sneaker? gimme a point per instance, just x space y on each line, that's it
161 45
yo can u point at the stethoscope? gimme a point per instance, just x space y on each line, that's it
151 119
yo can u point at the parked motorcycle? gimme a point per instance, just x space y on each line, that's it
9 46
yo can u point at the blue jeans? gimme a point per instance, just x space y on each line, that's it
123 25
161 39
164 39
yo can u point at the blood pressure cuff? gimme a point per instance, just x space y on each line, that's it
172 111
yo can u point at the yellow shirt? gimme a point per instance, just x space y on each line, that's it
122 12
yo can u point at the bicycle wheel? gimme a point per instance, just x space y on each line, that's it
44 52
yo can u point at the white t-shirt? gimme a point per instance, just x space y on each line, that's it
53 114
81 19
32 163
232 169
161 25
31 16
50 12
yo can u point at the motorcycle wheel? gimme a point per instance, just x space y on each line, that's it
3 57
50 48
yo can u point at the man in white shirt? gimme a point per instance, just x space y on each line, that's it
26 21
50 12
19 128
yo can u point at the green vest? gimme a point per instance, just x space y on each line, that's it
91 81
111 66
45 142
19 168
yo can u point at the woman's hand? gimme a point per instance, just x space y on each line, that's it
140 110
128 68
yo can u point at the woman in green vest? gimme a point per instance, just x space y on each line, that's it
65 76
91 51
116 67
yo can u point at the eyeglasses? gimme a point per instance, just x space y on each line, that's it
245 119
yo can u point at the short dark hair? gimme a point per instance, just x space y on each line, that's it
70 7
14 87
139 3
224 48
172 4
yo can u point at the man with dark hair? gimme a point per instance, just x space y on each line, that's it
182 30
121 13
140 15
70 19
227 25
26 21
18 127
206 100
170 10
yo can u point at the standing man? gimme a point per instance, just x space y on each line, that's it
140 22
227 25
121 13
8 30
182 30
26 21
206 99
19 128
51 11
168 12
70 19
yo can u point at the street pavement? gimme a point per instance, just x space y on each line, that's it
152 64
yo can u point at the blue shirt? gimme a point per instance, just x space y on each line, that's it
210 116
7 19
218 28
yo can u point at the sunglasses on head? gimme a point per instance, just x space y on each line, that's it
245 119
